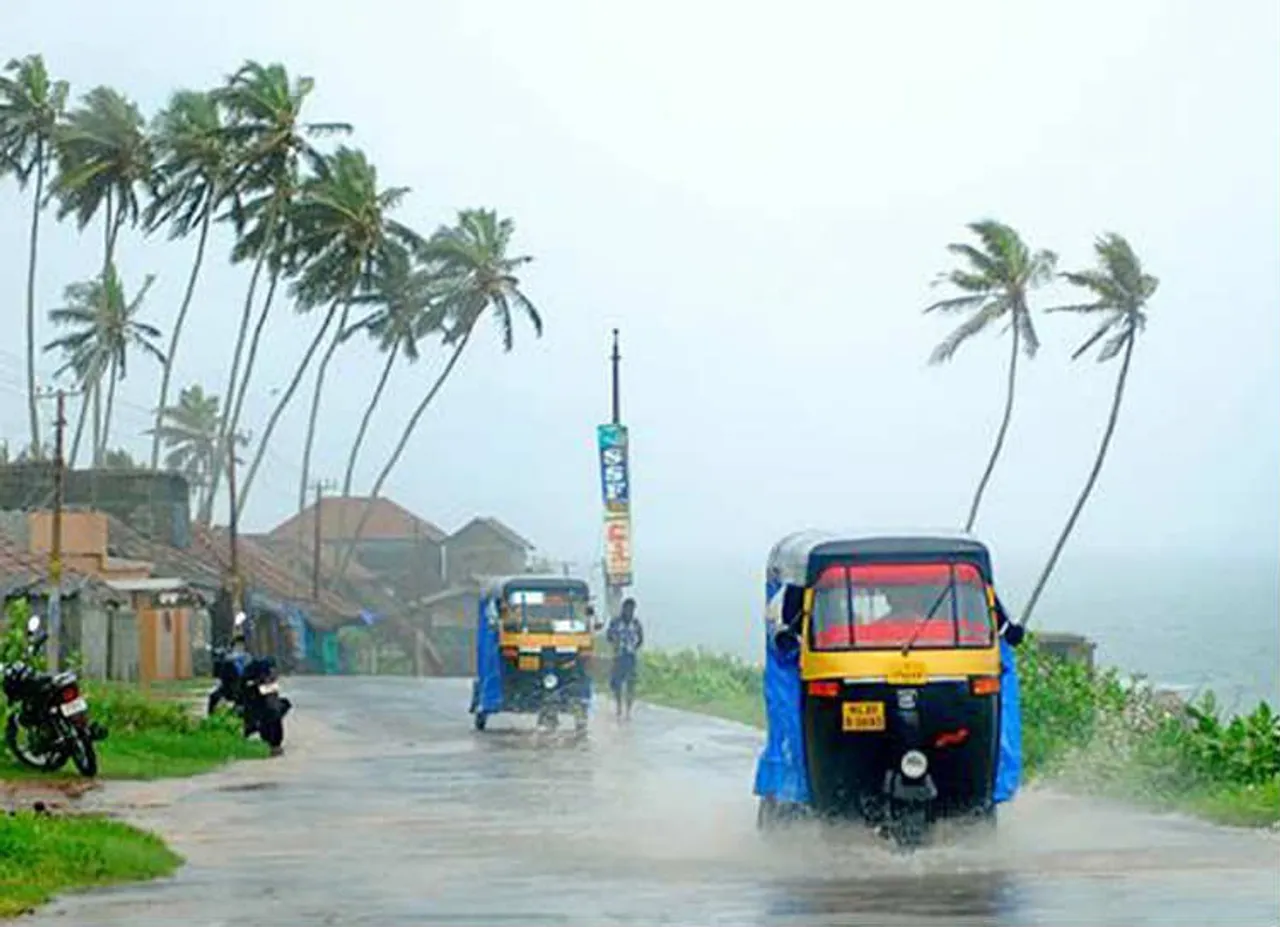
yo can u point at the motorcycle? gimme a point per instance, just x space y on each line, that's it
252 686
48 719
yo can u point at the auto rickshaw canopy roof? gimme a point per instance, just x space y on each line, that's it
800 557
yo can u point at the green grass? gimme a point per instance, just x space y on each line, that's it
45 855
152 736
1087 733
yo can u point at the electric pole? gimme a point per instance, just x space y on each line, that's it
55 540
236 594
319 486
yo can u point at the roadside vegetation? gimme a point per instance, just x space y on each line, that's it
42 855
1089 733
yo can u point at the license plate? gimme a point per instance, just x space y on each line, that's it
527 663
74 707
862 716
269 688
908 673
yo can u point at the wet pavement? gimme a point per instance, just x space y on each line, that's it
389 810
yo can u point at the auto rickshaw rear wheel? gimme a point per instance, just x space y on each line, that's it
480 720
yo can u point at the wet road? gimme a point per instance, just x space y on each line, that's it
388 810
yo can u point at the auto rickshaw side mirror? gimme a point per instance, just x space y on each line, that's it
785 638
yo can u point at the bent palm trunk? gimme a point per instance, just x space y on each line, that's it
364 423
36 449
167 373
1088 485
399 449
1000 435
283 404
316 395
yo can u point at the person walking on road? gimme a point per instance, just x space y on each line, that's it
626 635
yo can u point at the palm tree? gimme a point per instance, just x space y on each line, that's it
994 284
30 107
104 161
476 276
189 432
1120 290
403 294
104 329
194 171
266 126
341 233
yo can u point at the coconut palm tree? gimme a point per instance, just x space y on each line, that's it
405 313
477 276
104 329
994 283
31 105
1120 290
342 231
104 163
265 108
194 170
189 433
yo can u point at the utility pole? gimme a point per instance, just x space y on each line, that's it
319 486
55 541
615 359
237 604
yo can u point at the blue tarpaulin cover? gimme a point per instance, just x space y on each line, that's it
1009 761
488 685
782 772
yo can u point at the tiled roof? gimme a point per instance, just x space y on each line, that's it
276 577
21 569
340 517
124 541
500 529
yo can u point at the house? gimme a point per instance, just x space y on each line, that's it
166 608
483 546
401 549
97 622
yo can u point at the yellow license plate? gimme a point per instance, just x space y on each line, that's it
862 716
527 663
908 673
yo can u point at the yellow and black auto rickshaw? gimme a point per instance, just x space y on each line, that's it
534 643
890 692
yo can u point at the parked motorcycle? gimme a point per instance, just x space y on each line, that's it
48 719
251 686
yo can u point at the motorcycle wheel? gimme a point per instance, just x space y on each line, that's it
908 829
272 733
83 753
50 762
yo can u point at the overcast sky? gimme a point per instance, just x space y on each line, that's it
758 195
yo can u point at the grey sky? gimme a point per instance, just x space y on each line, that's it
759 197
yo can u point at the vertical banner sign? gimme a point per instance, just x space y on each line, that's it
615 486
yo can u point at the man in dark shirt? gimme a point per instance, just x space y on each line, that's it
626 635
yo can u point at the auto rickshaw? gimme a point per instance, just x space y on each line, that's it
890 691
534 643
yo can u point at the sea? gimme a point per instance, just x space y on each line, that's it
1187 623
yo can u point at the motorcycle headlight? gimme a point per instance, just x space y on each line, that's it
914 764
550 681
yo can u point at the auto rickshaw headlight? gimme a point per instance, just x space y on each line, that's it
914 764
550 681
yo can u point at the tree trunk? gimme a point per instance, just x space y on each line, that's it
1000 435
96 457
282 405
315 401
399 449
239 391
364 422
84 416
32 401
1089 483
112 380
177 333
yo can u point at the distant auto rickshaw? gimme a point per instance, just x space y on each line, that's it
534 644
891 696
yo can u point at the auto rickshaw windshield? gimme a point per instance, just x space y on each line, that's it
548 611
885 606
